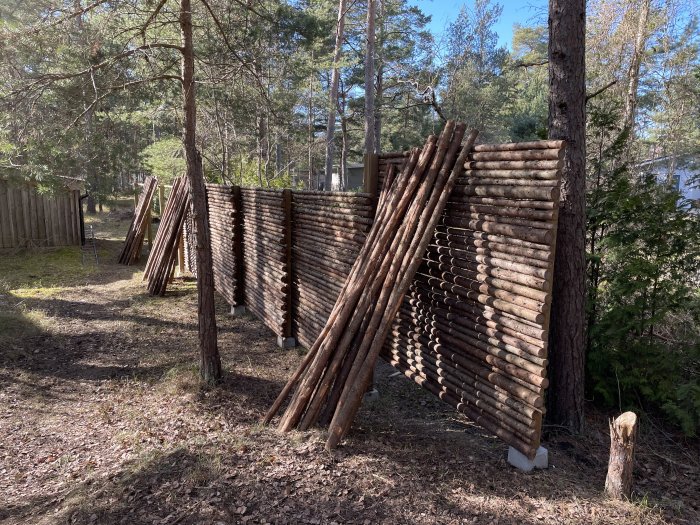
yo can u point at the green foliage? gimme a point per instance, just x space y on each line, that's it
164 159
649 261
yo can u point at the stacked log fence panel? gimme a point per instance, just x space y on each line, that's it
32 219
224 215
473 328
264 253
328 231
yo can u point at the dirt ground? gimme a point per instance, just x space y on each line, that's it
103 421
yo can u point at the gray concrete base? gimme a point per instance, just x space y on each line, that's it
521 461
286 342
371 396
238 310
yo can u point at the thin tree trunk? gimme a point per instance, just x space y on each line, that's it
635 64
344 154
209 352
370 143
333 102
567 19
310 140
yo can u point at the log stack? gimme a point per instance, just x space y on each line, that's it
329 229
224 216
332 379
265 265
161 261
388 161
131 251
473 328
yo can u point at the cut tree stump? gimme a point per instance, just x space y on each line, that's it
623 435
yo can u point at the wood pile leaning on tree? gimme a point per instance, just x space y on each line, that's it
334 375
131 251
161 262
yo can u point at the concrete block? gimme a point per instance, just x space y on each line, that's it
237 310
522 462
371 396
286 342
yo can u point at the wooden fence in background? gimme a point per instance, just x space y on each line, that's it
473 328
30 219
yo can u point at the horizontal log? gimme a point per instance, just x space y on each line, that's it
518 155
479 369
552 175
500 219
503 239
469 251
523 213
517 422
478 279
480 312
492 357
514 165
538 193
535 235
474 383
515 146
424 320
339 195
483 181
424 307
498 304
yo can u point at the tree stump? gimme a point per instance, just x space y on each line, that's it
623 435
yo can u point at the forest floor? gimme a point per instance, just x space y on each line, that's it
103 421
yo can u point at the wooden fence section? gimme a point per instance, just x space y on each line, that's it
224 207
329 229
265 227
28 218
473 329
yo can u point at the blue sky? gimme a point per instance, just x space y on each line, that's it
516 11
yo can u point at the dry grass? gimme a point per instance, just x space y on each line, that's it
103 420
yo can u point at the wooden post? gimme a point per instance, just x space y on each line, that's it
370 184
161 199
149 228
370 177
136 194
181 253
238 246
623 435
287 210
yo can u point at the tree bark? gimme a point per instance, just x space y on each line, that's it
370 142
210 363
567 95
623 435
635 63
333 102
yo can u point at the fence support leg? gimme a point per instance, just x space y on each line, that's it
286 340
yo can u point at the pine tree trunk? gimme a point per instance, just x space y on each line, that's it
567 20
209 352
370 144
333 102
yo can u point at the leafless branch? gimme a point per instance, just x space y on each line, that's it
599 91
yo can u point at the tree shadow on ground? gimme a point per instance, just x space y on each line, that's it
180 486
